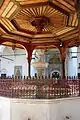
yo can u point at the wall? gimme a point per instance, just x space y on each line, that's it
72 62
17 61
78 60
53 57
4 109
65 109
62 109
33 109
22 61
7 64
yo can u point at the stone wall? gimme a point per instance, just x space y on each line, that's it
32 109
62 109
4 109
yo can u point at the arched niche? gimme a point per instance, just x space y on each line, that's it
55 74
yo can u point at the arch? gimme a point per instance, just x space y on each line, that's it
4 71
17 44
47 46
55 71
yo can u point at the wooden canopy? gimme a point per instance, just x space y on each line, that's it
41 23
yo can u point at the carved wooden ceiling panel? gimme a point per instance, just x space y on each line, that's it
56 19
39 22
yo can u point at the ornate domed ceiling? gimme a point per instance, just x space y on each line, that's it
44 23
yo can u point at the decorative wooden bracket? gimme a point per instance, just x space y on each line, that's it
30 49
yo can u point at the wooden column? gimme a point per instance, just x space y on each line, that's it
30 49
29 68
63 69
63 56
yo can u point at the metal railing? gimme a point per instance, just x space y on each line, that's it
39 89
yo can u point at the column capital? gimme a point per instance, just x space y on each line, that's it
30 49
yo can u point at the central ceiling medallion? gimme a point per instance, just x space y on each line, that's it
40 22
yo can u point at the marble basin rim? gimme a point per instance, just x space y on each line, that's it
40 65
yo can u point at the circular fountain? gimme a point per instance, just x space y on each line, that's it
40 67
40 64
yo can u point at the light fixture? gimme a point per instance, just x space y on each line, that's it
61 44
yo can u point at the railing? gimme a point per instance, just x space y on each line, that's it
39 89
39 77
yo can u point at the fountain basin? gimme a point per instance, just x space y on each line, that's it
40 65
